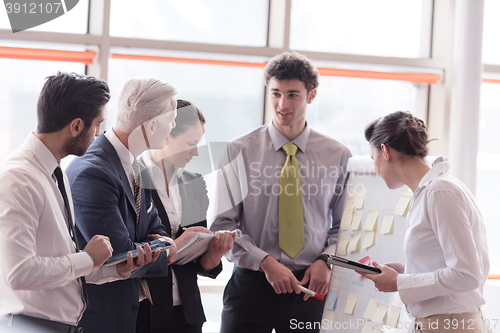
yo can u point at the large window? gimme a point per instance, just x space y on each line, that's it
491 32
344 106
20 84
231 98
234 22
385 28
488 167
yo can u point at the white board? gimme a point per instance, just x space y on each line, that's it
387 248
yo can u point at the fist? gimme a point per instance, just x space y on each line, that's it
99 248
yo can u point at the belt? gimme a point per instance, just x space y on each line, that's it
261 273
27 324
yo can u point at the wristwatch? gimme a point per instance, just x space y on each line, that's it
325 258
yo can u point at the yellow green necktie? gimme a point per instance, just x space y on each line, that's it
291 211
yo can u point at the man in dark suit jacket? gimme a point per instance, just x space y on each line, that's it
103 183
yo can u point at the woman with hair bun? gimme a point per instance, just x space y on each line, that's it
445 244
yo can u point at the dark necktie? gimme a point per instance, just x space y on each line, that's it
70 225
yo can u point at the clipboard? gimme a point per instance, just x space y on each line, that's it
343 262
157 244
197 246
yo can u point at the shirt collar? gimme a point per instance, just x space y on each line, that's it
148 162
436 170
154 169
42 153
179 172
125 156
278 139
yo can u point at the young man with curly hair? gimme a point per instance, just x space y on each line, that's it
286 186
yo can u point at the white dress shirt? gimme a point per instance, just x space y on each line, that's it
39 268
172 205
445 247
125 156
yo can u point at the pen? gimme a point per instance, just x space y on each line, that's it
312 293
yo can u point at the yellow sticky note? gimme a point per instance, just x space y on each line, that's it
371 309
345 224
371 220
380 313
387 223
342 246
356 219
354 242
349 203
404 201
329 315
369 239
360 199
351 303
367 328
393 316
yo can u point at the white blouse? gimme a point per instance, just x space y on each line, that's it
172 205
446 250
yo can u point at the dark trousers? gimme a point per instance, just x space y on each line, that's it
178 323
251 305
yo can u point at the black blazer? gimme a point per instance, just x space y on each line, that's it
104 205
194 198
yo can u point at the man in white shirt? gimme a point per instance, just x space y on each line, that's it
42 272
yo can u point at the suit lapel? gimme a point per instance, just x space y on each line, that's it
117 164
161 211
188 198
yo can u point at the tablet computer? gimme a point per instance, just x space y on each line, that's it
157 244
343 262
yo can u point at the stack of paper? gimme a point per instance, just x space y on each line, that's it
195 248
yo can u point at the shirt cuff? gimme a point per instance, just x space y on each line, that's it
330 250
111 272
401 289
81 262
255 257
415 288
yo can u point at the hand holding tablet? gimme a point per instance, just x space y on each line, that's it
359 267
157 244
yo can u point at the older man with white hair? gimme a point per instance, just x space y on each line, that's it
110 200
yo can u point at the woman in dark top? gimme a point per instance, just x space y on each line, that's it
182 202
